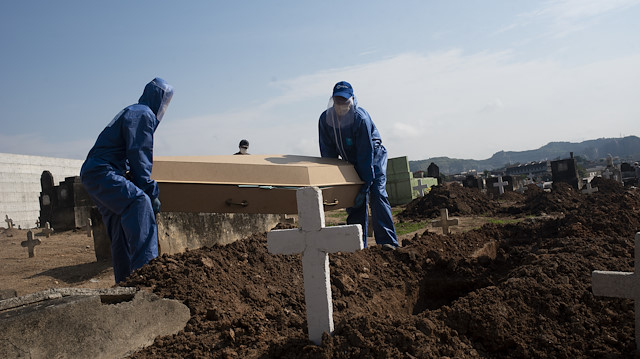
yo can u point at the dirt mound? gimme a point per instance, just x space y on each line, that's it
457 199
515 290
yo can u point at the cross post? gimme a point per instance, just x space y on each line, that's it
30 243
621 285
315 242
500 184
46 230
89 227
589 189
9 221
420 187
444 221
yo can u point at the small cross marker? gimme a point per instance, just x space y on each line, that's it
9 221
47 230
315 242
421 187
444 221
589 189
621 285
500 184
30 243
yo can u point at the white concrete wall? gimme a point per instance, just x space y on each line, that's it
20 184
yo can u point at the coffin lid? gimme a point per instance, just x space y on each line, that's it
262 170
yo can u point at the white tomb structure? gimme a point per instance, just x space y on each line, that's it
621 285
315 242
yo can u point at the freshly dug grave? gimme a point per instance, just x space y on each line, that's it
518 290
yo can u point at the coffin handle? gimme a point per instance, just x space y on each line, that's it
230 202
334 203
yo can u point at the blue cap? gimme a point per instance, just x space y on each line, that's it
343 89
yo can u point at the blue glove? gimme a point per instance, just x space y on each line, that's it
155 204
360 199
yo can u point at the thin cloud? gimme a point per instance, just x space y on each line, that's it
432 105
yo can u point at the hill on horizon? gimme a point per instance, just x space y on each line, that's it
626 148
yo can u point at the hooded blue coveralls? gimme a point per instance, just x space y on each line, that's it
126 144
356 139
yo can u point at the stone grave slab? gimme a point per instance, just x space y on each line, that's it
73 323
251 184
315 242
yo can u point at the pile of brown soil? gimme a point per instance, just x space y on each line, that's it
457 199
520 290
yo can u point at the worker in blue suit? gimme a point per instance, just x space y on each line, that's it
347 132
117 173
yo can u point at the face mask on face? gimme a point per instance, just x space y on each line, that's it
342 110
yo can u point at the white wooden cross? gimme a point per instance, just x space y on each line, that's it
500 184
9 221
30 243
46 230
315 242
621 285
444 221
421 187
589 189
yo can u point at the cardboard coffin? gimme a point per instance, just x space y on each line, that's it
251 183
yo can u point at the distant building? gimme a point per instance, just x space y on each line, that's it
534 169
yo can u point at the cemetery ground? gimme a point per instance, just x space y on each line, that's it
512 280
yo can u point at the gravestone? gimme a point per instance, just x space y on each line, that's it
444 221
500 184
433 171
66 206
315 242
30 244
9 221
566 170
621 285
471 181
589 189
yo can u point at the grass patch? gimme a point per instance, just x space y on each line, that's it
408 227
502 221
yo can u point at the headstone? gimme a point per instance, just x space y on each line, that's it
621 285
9 221
30 243
589 189
89 227
315 242
607 174
433 171
421 187
566 170
444 221
500 184
47 230
37 223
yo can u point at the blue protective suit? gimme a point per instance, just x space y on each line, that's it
354 138
124 199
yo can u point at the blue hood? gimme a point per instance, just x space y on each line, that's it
157 95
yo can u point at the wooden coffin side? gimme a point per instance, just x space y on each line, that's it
206 198
295 171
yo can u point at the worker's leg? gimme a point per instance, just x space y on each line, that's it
383 227
139 225
360 216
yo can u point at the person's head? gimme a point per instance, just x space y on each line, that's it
342 97
157 95
244 146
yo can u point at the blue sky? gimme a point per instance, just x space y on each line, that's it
463 79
